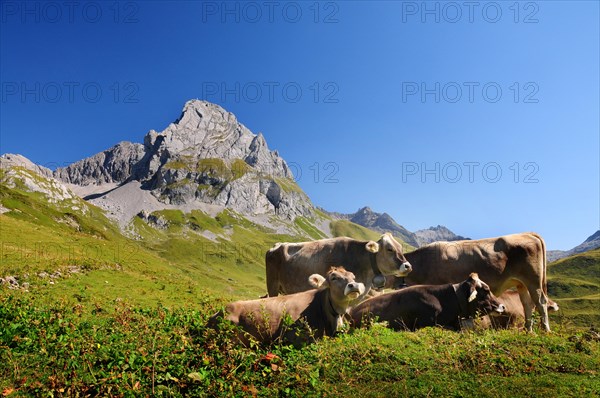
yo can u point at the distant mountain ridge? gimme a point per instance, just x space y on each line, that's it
436 234
591 243
380 222
383 222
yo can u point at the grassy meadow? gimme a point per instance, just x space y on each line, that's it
100 313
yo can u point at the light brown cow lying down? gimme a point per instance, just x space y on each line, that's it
419 306
296 318
514 316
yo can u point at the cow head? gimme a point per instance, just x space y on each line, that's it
480 298
341 284
389 256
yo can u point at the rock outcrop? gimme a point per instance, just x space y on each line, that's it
20 172
113 165
205 156
10 160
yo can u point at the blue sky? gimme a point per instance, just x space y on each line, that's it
483 118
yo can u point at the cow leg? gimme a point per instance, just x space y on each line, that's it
527 306
541 302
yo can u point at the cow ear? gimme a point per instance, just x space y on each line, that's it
475 278
317 280
373 247
473 295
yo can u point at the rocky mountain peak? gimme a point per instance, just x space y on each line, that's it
207 131
364 216
205 156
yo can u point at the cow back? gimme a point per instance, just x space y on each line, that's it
289 265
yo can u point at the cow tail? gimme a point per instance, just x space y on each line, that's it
545 265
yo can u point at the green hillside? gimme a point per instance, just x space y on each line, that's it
574 283
193 255
352 230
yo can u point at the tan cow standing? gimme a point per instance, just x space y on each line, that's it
288 265
517 260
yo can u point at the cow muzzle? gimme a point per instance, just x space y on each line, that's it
553 307
499 309
354 290
404 269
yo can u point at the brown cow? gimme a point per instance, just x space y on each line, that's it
288 265
504 262
296 318
429 305
514 315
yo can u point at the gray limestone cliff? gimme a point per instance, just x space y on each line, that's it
205 156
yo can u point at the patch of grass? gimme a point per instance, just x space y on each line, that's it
581 266
173 217
352 230
322 214
213 167
308 228
228 218
179 184
239 168
381 362
100 349
288 185
574 284
355 231
199 220
176 165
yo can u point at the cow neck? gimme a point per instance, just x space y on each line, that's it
330 307
373 258
462 300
